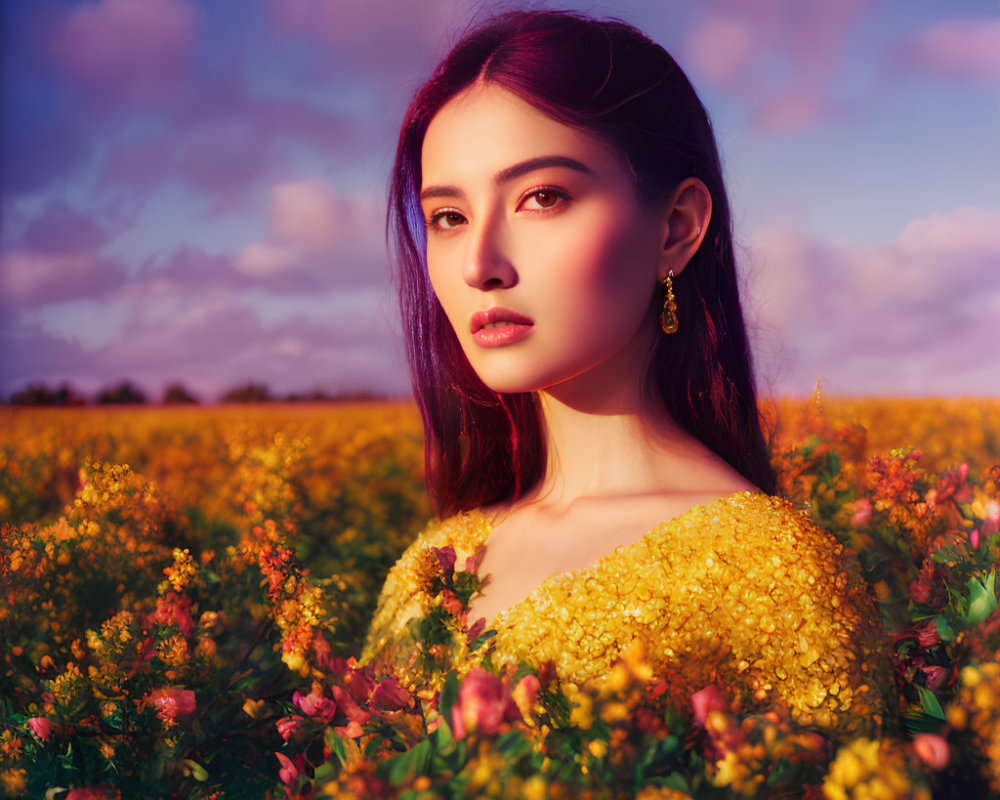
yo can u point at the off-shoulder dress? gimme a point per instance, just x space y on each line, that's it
744 591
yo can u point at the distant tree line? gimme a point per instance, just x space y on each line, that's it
127 393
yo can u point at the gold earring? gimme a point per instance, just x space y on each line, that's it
668 318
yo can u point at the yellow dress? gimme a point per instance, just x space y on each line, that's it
745 591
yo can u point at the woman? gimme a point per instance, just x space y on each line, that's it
579 356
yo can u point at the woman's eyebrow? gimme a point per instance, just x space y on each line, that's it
531 164
511 172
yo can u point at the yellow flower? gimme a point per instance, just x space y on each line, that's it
867 768
14 782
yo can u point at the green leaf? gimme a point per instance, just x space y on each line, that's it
919 722
480 640
406 766
198 772
944 630
832 465
335 745
443 736
373 746
929 703
982 598
326 772
511 744
449 696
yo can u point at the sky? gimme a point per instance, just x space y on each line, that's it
195 191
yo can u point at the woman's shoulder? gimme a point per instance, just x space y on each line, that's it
758 541
747 522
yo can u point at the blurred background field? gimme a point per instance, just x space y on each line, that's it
351 459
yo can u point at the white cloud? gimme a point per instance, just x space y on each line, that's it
963 49
308 214
312 229
30 278
130 47
917 315
263 259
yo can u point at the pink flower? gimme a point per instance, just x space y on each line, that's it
483 705
390 696
172 703
929 587
290 727
931 749
446 557
936 676
472 562
974 538
91 793
321 649
358 682
41 727
451 603
352 730
927 634
953 485
525 694
350 708
290 770
862 513
315 704
476 628
991 524
705 701
174 609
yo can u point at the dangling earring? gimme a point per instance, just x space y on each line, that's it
668 318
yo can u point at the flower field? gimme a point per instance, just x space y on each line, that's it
185 590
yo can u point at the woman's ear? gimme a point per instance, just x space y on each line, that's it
687 216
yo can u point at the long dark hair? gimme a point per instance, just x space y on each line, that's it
607 78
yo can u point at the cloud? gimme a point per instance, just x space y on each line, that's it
916 316
217 340
377 40
317 235
32 354
124 48
60 229
35 151
263 260
961 49
780 57
34 279
226 144
58 258
308 214
721 47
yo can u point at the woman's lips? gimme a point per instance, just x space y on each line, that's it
498 327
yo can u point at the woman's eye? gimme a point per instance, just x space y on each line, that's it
445 220
543 199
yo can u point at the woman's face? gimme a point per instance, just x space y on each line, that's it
538 247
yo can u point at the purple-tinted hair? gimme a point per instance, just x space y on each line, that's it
608 78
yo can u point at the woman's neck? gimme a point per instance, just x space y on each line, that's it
605 439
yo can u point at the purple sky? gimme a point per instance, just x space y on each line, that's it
195 191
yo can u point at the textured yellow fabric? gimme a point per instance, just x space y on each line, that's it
744 591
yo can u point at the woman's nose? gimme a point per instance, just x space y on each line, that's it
487 265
